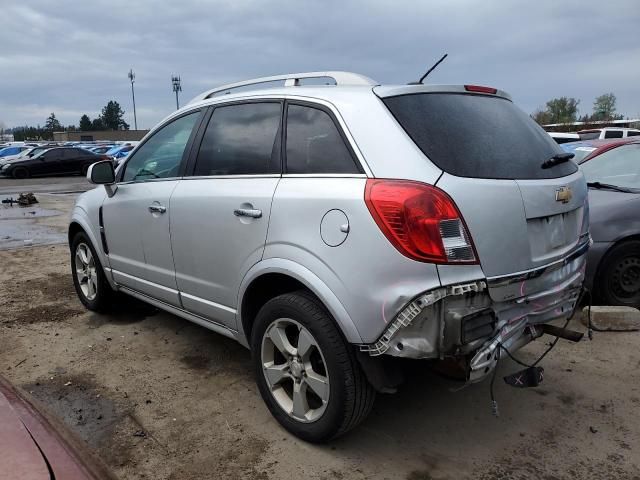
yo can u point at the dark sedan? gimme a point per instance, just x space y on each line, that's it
54 161
613 267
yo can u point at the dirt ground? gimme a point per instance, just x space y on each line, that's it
159 398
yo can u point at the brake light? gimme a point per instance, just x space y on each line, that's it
480 89
420 220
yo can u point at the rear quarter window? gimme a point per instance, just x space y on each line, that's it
477 136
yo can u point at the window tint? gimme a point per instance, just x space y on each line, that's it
613 134
160 156
633 134
589 135
619 166
477 136
314 144
241 140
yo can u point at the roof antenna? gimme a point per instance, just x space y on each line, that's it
419 82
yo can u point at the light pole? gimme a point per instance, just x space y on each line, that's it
175 82
132 78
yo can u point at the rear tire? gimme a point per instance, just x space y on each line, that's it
618 281
20 172
319 375
89 278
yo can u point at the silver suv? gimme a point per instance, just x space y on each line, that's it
329 228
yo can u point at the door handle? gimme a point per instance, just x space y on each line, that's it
157 208
247 212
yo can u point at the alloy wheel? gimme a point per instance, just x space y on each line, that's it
86 271
295 370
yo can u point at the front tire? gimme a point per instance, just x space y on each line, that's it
89 279
619 275
306 372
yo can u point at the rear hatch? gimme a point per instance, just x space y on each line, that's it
520 215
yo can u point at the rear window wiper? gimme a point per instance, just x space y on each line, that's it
557 159
608 186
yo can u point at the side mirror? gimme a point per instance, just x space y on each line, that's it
102 173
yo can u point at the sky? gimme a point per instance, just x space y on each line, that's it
72 57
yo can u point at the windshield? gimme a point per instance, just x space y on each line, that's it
619 166
26 152
477 136
39 152
590 135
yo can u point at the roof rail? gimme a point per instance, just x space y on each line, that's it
290 80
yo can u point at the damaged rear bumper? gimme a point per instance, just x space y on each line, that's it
469 322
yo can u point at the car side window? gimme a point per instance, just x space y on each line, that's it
52 155
613 134
160 156
633 134
314 143
241 140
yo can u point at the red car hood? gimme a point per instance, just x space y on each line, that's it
35 446
19 454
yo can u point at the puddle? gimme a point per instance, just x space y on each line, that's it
20 213
18 227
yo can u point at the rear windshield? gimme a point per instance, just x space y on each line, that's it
477 136
590 135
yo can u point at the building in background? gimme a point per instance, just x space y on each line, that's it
92 136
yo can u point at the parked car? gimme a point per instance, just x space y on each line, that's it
119 151
586 148
608 132
23 154
12 150
331 228
53 161
101 149
613 267
562 137
37 446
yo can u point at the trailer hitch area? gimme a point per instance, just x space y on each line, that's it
533 375
561 332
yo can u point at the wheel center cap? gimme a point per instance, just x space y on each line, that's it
296 368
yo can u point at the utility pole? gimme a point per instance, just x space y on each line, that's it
132 78
175 82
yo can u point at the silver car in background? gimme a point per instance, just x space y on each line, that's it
329 228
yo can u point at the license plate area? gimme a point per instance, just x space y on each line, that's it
553 235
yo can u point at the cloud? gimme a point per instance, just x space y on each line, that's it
72 57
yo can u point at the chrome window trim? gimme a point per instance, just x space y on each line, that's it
324 175
250 175
134 182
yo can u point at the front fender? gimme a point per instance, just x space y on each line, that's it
90 226
311 281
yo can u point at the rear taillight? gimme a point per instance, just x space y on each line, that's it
420 220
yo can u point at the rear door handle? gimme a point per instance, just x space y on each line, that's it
157 208
247 212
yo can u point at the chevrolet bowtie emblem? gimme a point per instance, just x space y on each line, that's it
563 194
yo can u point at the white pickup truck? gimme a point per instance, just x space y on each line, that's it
608 132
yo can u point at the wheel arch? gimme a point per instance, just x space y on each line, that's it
273 277
80 223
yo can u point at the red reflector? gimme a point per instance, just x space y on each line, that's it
420 220
480 89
